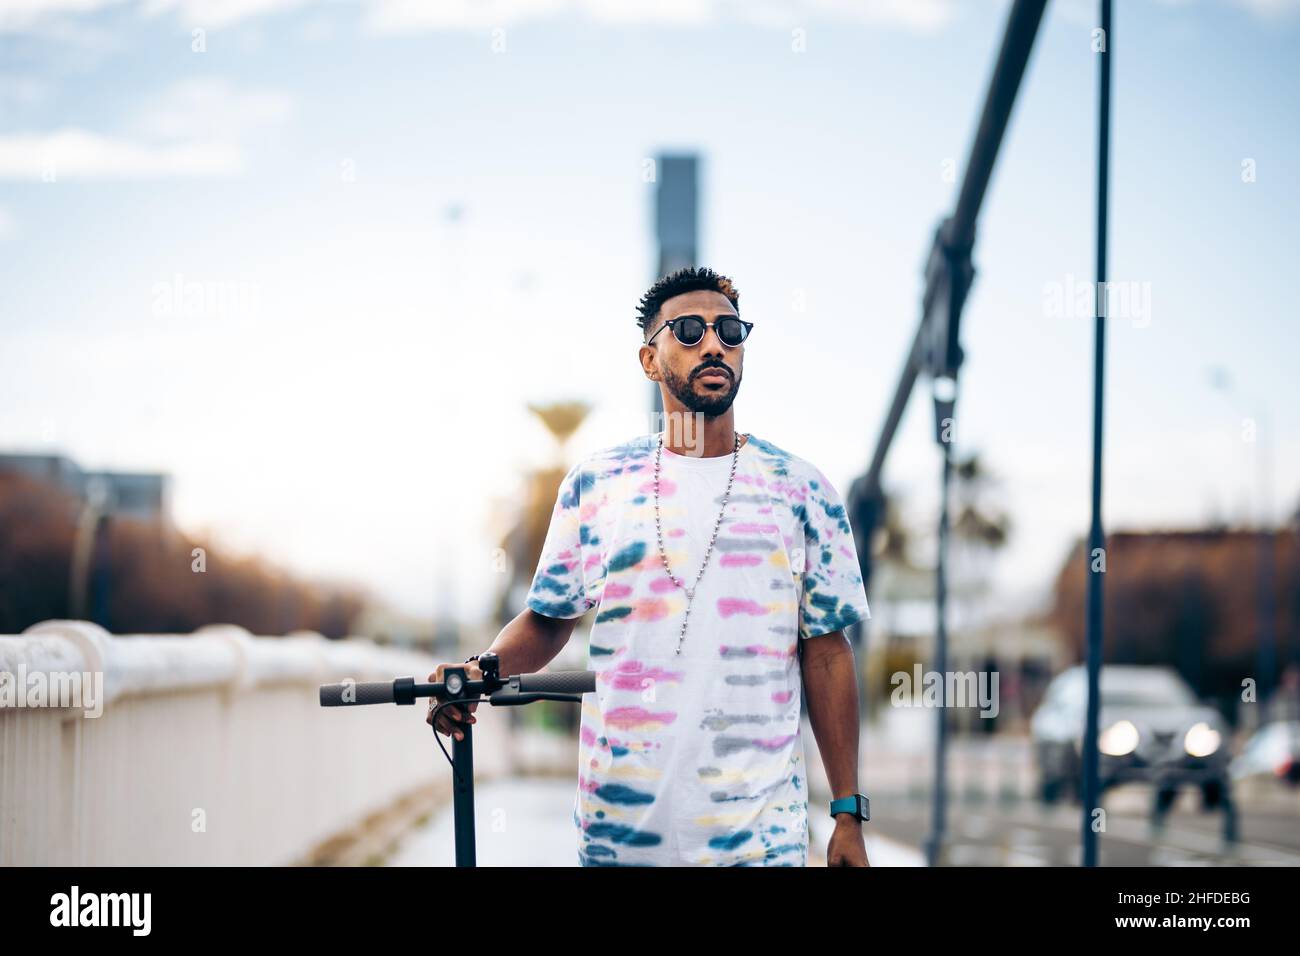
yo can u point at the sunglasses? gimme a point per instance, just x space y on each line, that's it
689 330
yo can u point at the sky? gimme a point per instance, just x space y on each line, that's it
315 259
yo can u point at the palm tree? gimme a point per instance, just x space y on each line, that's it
561 419
523 540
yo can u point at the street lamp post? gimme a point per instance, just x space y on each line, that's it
945 402
1094 560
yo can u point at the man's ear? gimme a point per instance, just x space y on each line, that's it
651 373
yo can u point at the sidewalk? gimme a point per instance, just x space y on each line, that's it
522 821
527 821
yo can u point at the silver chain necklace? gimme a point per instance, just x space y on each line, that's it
690 591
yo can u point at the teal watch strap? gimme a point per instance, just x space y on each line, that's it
855 804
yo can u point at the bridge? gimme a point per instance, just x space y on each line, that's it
208 748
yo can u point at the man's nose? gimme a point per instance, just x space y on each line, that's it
711 345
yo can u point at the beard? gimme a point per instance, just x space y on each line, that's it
709 404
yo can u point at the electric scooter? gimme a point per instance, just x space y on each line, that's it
457 688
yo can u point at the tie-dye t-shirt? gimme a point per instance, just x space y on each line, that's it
696 758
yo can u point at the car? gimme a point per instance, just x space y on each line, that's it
1152 729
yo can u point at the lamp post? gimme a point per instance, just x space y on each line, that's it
944 387
1094 561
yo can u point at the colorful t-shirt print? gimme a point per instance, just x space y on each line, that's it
696 758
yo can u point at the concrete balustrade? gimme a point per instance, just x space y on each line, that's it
211 749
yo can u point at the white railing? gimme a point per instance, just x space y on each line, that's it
211 748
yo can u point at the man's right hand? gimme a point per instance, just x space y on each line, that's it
453 714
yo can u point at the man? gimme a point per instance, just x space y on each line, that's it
722 571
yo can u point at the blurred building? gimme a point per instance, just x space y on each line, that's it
129 494
1220 605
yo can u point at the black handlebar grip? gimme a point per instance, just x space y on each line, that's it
558 682
351 693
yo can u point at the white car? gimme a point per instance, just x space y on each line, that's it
1151 729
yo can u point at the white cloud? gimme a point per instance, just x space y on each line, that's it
210 109
8 227
74 153
24 14
411 15
197 128
218 13
399 16
419 15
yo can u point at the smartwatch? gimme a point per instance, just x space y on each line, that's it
856 804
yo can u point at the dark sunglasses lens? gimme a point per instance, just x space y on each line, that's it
731 331
688 331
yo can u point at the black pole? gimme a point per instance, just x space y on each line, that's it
1267 653
462 789
1096 557
1266 595
939 805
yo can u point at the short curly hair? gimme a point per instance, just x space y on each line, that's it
689 279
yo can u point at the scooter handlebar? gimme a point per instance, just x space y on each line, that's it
351 693
558 682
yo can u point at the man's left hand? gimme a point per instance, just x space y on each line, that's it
847 846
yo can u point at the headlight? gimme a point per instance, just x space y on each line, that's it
1201 740
1118 739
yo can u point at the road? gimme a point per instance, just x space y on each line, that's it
992 833
994 819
